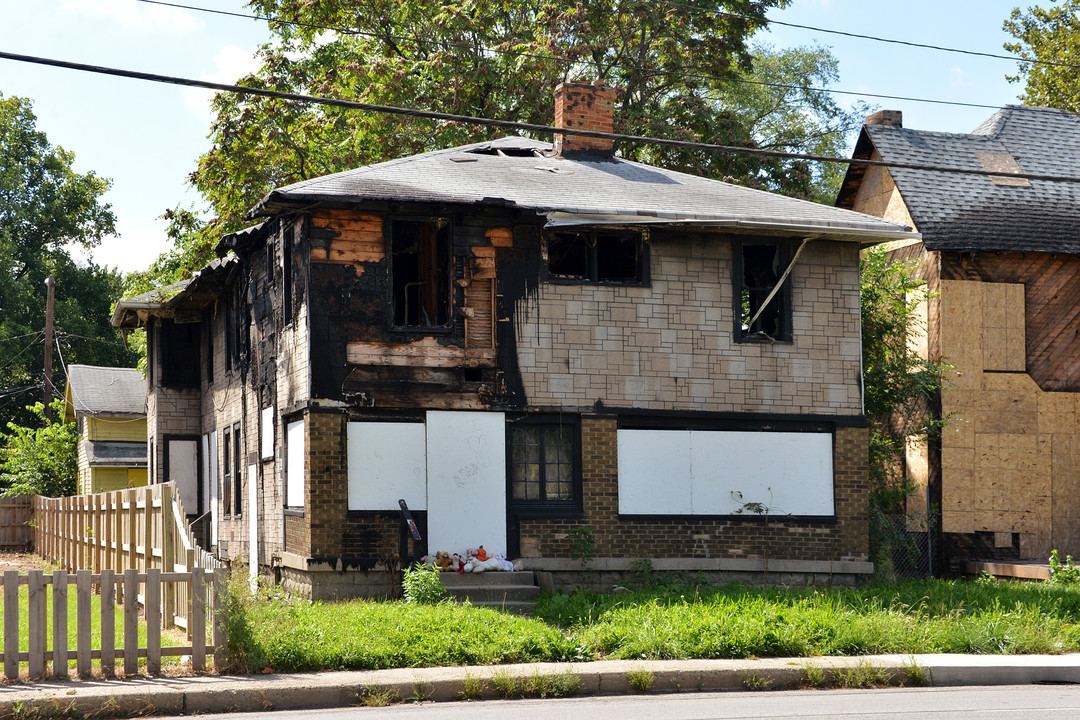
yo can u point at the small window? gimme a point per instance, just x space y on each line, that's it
237 479
235 326
287 274
226 472
758 269
421 272
208 348
597 256
545 464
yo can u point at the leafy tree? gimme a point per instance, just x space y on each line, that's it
901 385
40 459
1050 34
499 59
46 207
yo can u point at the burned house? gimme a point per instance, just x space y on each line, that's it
1001 258
520 339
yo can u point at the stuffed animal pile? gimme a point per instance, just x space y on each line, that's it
474 560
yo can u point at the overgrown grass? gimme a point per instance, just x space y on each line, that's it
670 622
737 621
361 635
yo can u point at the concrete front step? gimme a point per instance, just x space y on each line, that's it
489 579
477 595
513 591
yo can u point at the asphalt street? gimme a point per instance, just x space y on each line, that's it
1016 702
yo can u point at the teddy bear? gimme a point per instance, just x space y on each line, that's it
443 561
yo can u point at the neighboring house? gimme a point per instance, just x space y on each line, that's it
1002 255
519 340
109 405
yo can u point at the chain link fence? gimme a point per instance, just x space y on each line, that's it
907 546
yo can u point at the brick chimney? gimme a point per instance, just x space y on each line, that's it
890 118
585 106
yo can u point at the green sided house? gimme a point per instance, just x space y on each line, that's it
109 405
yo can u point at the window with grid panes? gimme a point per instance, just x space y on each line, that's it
543 463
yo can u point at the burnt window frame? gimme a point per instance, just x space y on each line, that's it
542 507
641 278
784 296
177 344
208 348
448 271
288 241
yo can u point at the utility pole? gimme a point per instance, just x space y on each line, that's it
48 390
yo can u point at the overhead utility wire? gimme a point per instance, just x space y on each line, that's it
560 58
16 355
875 38
512 124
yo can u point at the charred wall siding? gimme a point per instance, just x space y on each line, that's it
360 356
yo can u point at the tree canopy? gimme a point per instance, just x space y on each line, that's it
46 207
1052 35
683 70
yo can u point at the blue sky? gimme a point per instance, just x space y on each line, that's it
147 137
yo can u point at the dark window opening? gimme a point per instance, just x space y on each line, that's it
545 467
760 267
179 355
569 255
421 272
151 362
234 327
208 323
287 274
599 256
237 457
226 472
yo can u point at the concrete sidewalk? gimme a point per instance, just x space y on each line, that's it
215 694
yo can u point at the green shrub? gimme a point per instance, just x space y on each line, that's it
1066 572
423 585
241 653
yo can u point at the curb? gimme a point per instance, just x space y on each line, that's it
207 694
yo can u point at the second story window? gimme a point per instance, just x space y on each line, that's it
759 265
420 271
596 256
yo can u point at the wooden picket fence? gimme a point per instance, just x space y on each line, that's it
16 531
115 589
139 529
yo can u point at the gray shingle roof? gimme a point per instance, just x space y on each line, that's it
970 212
584 185
106 390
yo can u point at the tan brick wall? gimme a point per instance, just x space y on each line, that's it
670 346
846 539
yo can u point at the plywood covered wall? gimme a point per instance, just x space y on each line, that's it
1010 453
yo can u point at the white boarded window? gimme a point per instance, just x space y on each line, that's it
713 472
294 468
267 433
387 462
183 464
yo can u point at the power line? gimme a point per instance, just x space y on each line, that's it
16 355
60 333
20 337
513 124
564 59
875 38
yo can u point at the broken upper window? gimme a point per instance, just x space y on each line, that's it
759 266
599 256
420 270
